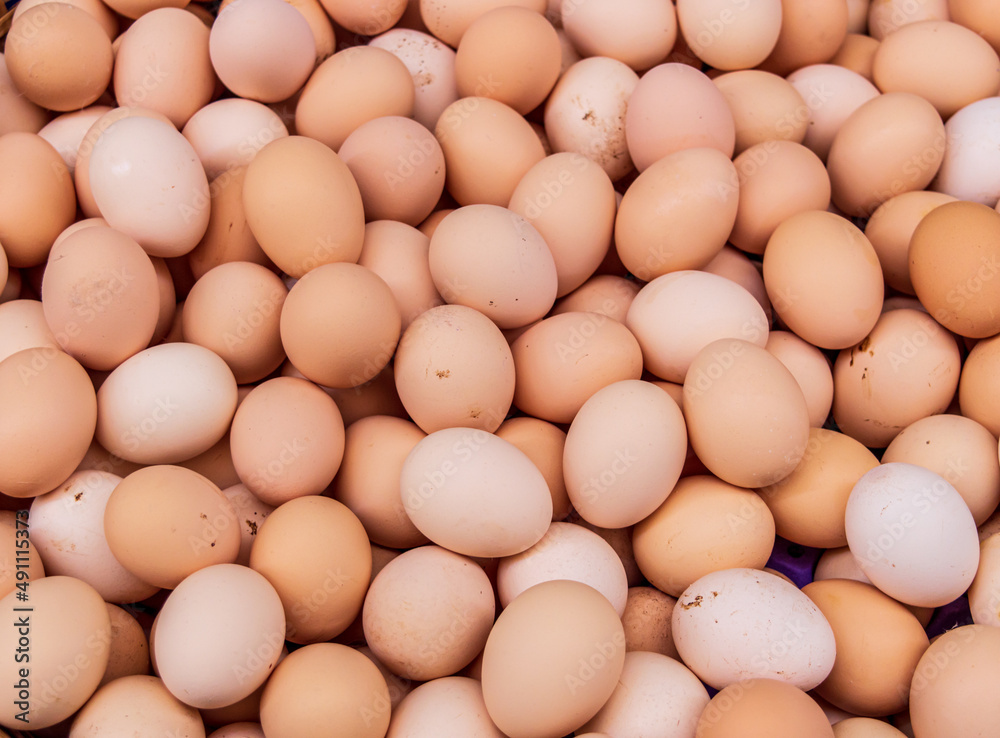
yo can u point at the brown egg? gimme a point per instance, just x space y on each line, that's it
251 512
977 16
976 392
365 18
658 123
890 228
446 603
865 681
811 369
162 64
454 368
510 54
296 700
216 462
810 33
954 259
165 522
234 310
728 35
907 368
66 131
984 593
14 558
960 450
861 727
488 148
947 694
430 63
857 54
100 297
765 107
227 134
777 179
639 35
945 63
833 307
704 525
63 626
59 56
678 213
760 439
399 168
318 221
886 16
492 259
561 361
287 440
831 94
809 504
128 650
451 707
315 553
341 94
570 200
585 113
647 621
892 144
552 660
51 412
763 708
736 267
32 173
368 480
543 443
136 702
605 294
17 113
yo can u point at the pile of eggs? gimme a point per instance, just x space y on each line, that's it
491 368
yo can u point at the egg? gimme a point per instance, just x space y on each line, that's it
227 134
129 648
728 35
984 593
979 371
446 603
861 727
762 708
811 369
66 131
552 659
605 294
647 621
364 18
857 53
450 707
765 107
137 702
895 532
810 34
887 16
17 113
737 624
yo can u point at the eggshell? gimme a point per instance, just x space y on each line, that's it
566 551
399 168
148 182
59 56
647 620
238 730
262 49
562 360
340 324
449 21
657 124
857 53
227 134
865 681
640 35
318 220
961 451
218 635
315 553
454 368
66 131
475 494
31 173
808 505
450 707
895 530
811 369
365 18
475 253
729 35
763 708
165 522
136 702
678 213
431 64
69 631
907 368
166 404
735 266
978 374
810 34
605 294
946 696
17 113
585 113
765 107
67 527
861 727
757 440
984 593
446 601
353 86
488 147
552 660
887 16
129 648
737 624
624 452
50 412
297 698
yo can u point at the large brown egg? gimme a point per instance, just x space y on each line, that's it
639 35
763 708
17 113
134 703
810 33
765 107
977 394
728 35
